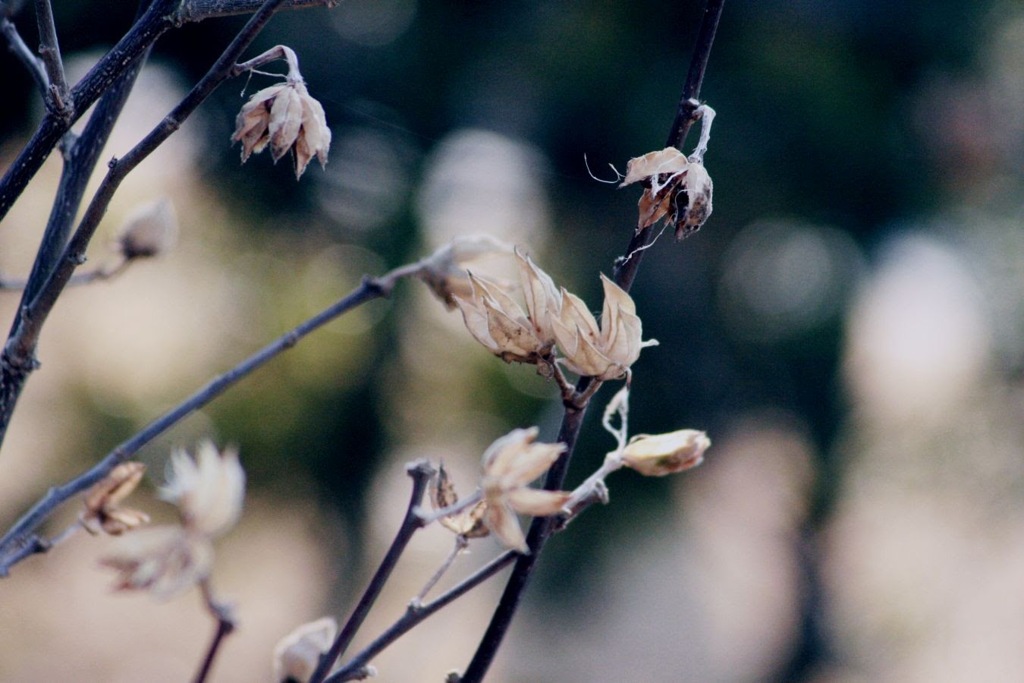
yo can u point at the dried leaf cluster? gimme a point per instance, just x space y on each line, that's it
676 188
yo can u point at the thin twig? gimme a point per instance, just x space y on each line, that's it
625 269
461 542
18 359
625 273
21 540
153 23
81 156
421 473
57 100
414 614
225 626
32 63
105 272
199 10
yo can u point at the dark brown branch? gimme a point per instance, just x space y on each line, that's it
18 358
153 23
542 528
626 268
21 540
22 51
421 472
57 100
416 613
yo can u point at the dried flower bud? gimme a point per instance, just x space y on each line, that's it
604 351
444 271
165 560
208 490
510 464
661 454
286 117
674 187
467 523
297 655
495 320
102 501
149 231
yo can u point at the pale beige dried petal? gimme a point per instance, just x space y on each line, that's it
510 464
286 117
297 655
537 502
604 351
119 520
661 454
514 460
252 122
314 138
511 335
149 231
669 160
499 323
285 120
444 271
501 519
102 511
164 560
543 301
208 490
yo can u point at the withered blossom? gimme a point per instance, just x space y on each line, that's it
285 117
164 560
444 271
662 454
149 231
208 489
604 351
297 655
510 464
675 187
103 511
468 523
495 320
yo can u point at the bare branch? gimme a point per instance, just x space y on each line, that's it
225 626
626 268
153 23
542 527
415 614
21 540
57 100
18 358
32 63
198 10
421 472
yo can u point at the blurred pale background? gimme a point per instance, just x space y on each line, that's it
848 327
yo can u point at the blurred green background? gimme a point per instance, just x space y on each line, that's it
847 327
